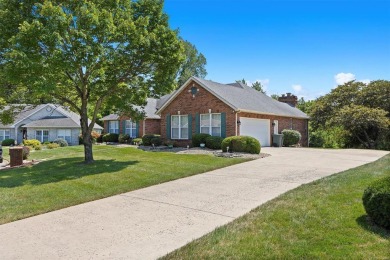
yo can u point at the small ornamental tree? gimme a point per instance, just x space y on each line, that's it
89 55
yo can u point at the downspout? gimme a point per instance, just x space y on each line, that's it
143 126
16 134
307 127
235 122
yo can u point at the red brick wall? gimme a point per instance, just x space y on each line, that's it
152 126
284 123
201 103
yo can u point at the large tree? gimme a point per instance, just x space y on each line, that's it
89 55
193 65
361 110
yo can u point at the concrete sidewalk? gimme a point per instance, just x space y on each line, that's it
148 223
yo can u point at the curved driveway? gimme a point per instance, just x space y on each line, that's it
148 223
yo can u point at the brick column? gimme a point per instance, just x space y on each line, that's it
16 155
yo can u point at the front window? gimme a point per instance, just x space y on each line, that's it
179 127
131 128
210 124
65 134
4 134
113 127
42 135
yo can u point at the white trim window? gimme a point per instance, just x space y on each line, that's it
65 134
4 134
131 128
179 127
42 135
113 127
210 124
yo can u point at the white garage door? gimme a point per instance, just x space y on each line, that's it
257 128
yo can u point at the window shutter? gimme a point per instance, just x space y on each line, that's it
106 126
137 129
168 126
123 126
197 123
189 127
223 125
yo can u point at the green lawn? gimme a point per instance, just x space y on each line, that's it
61 180
321 220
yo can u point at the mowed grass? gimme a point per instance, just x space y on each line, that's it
321 220
61 180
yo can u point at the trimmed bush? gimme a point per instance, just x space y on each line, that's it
147 139
61 142
198 139
100 139
32 143
291 137
376 201
26 152
110 138
38 148
137 141
52 146
124 138
214 142
245 144
46 142
156 141
8 142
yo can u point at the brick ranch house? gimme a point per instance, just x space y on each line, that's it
203 106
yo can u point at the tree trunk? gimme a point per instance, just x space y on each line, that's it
88 155
87 137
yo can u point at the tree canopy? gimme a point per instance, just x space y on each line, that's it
256 85
358 111
85 54
193 65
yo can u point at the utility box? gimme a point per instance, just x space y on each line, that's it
277 140
16 156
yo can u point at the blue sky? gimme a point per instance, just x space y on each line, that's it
303 47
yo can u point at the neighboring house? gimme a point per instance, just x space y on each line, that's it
125 125
203 106
45 122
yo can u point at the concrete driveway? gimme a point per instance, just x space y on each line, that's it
151 222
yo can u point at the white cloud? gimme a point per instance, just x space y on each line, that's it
365 81
297 88
342 78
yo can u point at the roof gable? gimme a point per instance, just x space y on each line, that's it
241 97
184 86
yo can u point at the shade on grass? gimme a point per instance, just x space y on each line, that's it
321 220
61 180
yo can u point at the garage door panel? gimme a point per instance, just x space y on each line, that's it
257 128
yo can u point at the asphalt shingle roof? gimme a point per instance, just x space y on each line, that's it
149 110
53 122
237 95
244 98
25 112
70 118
